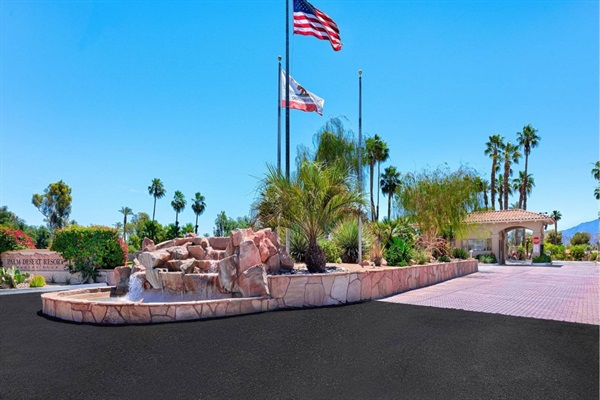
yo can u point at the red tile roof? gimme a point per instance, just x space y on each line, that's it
491 217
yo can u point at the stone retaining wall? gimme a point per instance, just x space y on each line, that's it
79 306
287 291
343 287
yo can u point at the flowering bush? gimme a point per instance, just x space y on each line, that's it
90 248
13 239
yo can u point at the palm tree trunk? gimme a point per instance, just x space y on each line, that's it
505 186
493 185
371 168
315 257
525 183
124 226
390 207
378 189
154 209
196 227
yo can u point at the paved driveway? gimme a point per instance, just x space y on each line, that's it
568 292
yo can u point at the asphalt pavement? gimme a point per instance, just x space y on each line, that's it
372 350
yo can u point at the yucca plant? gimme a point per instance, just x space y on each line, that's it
345 236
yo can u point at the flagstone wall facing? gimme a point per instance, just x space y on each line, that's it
286 291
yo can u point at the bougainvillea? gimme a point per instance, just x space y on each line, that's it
14 239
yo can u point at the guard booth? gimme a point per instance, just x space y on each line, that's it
488 231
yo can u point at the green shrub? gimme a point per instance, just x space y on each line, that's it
88 249
332 252
444 258
37 281
553 238
580 238
298 245
399 253
577 252
421 257
557 252
593 256
541 259
14 239
101 243
489 258
12 277
345 237
460 253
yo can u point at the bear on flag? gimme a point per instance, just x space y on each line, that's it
300 98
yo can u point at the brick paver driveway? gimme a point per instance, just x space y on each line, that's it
568 292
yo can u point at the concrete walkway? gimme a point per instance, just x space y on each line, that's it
568 292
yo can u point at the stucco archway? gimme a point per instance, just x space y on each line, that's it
493 227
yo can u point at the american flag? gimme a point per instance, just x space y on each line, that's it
310 21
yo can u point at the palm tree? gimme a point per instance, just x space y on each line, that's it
118 226
519 183
596 175
556 216
311 201
157 190
390 180
500 189
483 186
528 139
198 206
596 171
492 149
511 155
125 211
383 157
178 205
376 152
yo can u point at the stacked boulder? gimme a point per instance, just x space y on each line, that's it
239 262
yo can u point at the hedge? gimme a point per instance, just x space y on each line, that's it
97 245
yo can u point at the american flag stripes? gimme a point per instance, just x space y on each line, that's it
309 21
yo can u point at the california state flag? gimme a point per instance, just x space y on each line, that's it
300 98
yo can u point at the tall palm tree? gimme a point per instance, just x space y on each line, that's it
596 171
500 189
198 206
492 150
376 151
178 205
311 201
510 155
519 184
528 139
483 186
556 216
382 157
157 190
390 180
125 211
596 175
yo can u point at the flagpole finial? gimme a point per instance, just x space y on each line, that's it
360 72
279 58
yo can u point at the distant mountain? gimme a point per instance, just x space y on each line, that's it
589 227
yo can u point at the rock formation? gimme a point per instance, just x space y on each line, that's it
237 265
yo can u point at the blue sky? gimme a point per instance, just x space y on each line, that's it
109 95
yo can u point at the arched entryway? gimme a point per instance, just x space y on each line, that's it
495 226
516 243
